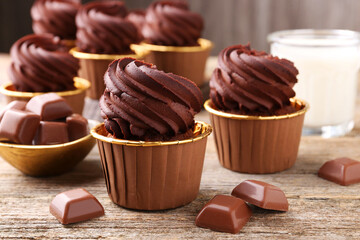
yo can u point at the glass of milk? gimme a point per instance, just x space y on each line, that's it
328 62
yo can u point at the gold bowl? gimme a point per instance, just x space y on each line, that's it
75 98
47 160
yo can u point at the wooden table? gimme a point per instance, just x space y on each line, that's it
318 209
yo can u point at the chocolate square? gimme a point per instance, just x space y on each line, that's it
75 206
343 171
49 106
224 213
19 126
51 133
77 126
19 105
261 194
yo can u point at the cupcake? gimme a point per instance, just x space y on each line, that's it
172 38
137 17
103 35
257 121
56 17
152 150
40 64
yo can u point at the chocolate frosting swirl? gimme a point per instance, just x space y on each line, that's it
103 28
40 63
171 23
143 103
137 17
250 82
56 17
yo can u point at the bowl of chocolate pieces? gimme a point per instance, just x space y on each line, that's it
43 137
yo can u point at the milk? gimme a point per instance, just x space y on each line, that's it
328 61
327 79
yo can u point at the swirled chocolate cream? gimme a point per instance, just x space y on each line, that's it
102 28
42 63
56 17
171 23
251 82
141 102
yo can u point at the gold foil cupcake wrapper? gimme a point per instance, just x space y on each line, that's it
252 144
152 176
143 47
300 105
95 56
201 130
186 61
75 98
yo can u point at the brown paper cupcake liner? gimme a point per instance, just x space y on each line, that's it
252 144
188 62
93 67
152 175
75 98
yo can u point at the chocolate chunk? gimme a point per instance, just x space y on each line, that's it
75 205
49 106
343 171
51 133
261 194
19 126
77 126
19 105
224 213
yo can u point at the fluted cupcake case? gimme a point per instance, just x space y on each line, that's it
152 175
75 98
93 67
255 144
187 61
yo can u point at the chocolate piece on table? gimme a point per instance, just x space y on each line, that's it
224 213
343 171
77 126
75 205
261 194
49 106
19 105
51 133
19 126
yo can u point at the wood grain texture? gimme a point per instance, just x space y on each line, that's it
318 209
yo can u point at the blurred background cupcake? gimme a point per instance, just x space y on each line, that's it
56 17
172 38
151 149
42 63
257 122
137 17
103 35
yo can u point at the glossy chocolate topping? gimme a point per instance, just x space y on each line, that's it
103 28
40 63
143 103
171 23
56 17
250 82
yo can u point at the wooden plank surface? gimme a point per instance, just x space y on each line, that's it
318 209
